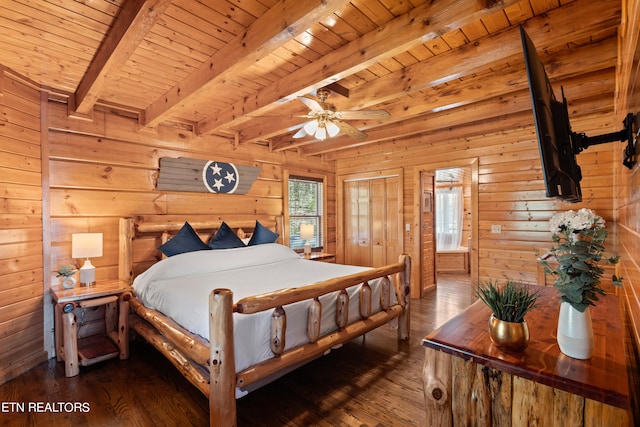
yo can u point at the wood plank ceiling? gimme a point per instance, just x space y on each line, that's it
235 67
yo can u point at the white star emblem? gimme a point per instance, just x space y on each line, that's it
218 184
216 169
230 177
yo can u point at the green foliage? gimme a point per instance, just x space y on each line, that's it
66 271
578 253
510 302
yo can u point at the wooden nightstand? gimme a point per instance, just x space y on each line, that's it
320 256
105 344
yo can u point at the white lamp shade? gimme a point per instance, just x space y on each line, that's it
86 245
306 231
321 133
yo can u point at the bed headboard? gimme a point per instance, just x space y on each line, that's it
143 234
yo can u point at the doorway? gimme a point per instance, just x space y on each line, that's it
452 220
449 179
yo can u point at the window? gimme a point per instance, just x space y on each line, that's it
305 207
449 207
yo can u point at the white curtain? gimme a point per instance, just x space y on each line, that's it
449 207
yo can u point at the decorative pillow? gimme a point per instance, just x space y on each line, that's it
225 238
185 240
262 234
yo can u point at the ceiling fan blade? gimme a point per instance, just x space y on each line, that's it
311 104
300 134
350 130
363 115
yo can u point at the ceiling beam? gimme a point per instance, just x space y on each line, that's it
424 23
593 58
128 30
519 101
569 23
506 124
466 60
280 24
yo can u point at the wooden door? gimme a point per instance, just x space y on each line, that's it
372 221
357 241
389 218
427 232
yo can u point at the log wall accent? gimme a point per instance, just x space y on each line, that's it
21 228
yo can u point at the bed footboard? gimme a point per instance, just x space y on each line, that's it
224 379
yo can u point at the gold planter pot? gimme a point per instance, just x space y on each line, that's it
508 335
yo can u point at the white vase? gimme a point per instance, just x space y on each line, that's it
575 332
68 282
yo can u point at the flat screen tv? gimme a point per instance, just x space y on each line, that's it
557 143
562 174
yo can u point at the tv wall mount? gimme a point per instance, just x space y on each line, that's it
581 141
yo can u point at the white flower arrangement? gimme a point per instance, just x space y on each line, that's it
579 238
571 223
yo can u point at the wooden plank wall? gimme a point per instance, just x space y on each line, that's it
21 253
105 169
98 171
510 191
628 196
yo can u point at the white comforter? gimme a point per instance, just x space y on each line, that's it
179 287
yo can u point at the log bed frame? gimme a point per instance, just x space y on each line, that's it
193 355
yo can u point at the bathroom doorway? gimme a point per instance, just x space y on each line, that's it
452 220
460 177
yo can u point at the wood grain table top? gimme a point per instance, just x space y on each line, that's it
79 292
603 378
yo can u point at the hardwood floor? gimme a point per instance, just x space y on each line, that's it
371 381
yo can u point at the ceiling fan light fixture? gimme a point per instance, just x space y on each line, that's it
310 127
332 129
321 133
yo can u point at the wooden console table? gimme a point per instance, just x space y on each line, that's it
469 381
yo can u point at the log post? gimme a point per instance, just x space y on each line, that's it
57 321
314 320
222 367
123 325
125 253
436 375
71 364
111 317
404 319
385 293
365 300
342 309
278 330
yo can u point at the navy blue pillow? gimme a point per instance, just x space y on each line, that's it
185 240
225 238
262 234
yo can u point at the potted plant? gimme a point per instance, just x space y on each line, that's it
509 303
576 261
67 271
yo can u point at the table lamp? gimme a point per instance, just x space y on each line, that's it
306 232
86 245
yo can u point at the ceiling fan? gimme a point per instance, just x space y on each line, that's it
325 120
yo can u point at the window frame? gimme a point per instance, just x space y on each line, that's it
322 179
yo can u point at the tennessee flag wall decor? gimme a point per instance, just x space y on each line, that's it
184 174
